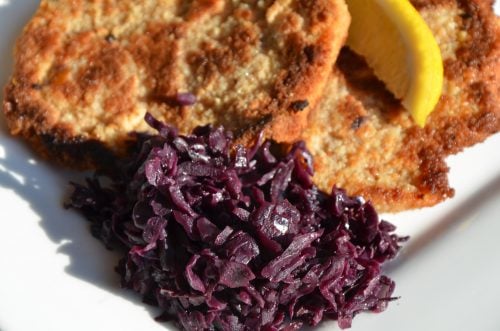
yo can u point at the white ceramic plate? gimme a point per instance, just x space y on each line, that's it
55 277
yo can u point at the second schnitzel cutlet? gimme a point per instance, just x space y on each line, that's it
364 141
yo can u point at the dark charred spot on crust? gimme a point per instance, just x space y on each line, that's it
264 120
465 16
321 16
298 66
256 127
248 134
299 105
78 152
36 86
358 121
110 38
309 52
351 113
58 146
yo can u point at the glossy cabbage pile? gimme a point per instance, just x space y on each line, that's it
229 238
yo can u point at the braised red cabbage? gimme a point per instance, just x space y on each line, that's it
227 238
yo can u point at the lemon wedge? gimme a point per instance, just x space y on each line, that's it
400 48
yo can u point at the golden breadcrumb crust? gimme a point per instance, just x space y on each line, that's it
363 140
86 72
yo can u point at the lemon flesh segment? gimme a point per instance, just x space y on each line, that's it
402 51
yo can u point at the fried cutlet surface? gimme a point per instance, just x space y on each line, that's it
363 140
86 72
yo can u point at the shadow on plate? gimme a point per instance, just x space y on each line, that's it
45 188
460 215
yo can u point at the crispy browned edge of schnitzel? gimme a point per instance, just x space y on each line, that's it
287 123
285 119
443 135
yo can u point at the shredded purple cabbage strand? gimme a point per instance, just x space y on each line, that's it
238 239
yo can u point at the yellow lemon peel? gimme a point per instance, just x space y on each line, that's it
402 51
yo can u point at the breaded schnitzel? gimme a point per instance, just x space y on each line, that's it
364 141
86 72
